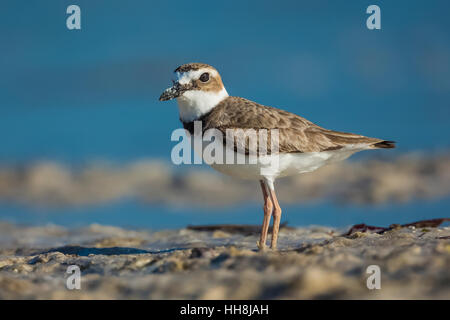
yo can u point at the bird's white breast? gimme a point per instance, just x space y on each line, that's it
195 103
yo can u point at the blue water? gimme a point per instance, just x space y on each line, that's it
135 215
77 96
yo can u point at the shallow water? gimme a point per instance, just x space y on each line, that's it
135 215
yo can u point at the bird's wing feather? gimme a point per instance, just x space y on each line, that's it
296 134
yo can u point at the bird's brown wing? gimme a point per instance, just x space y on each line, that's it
296 134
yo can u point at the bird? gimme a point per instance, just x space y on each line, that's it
302 146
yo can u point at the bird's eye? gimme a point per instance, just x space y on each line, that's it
204 77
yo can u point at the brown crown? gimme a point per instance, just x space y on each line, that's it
192 67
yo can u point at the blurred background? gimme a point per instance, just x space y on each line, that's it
85 140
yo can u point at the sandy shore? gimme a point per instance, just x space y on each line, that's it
314 262
52 185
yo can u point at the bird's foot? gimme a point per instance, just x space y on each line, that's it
261 246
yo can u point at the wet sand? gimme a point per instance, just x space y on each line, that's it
400 178
313 262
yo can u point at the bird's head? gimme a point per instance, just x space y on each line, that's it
193 78
198 88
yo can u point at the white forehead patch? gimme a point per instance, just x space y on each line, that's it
187 77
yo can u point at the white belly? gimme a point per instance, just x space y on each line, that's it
270 167
285 164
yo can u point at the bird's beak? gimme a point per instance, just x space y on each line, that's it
173 92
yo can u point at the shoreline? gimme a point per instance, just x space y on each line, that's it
312 263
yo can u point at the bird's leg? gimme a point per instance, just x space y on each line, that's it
268 207
276 218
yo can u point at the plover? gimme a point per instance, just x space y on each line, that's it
302 145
